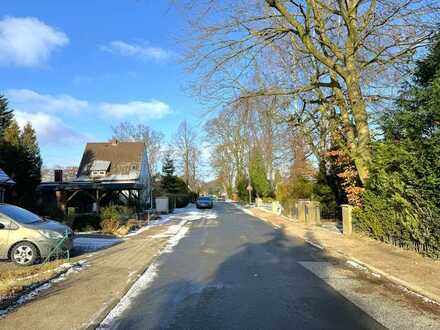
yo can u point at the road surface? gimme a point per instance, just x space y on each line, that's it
232 271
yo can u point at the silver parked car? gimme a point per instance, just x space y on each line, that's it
25 237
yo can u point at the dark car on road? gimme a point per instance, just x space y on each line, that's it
204 202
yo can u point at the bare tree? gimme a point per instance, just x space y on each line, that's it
187 153
354 47
153 140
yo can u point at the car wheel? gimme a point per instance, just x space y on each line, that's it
24 254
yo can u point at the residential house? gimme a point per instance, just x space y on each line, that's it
109 172
5 182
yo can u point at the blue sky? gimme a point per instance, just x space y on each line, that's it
75 68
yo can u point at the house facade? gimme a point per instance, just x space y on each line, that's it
109 172
5 183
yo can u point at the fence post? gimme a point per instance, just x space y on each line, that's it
347 220
276 207
315 213
258 202
301 210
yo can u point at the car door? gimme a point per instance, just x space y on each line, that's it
5 228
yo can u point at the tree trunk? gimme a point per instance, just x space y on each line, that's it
362 153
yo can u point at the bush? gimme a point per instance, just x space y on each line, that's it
401 204
113 217
294 188
268 199
110 226
182 200
86 222
324 194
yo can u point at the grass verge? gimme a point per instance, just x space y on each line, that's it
14 281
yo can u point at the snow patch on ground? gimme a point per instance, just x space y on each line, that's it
189 213
143 282
175 240
425 299
354 264
174 234
316 245
245 210
67 268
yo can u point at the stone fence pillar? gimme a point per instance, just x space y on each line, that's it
276 207
315 213
347 220
258 202
302 210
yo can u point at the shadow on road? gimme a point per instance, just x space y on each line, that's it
261 284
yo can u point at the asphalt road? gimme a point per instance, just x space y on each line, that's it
234 272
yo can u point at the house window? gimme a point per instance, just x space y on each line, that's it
98 173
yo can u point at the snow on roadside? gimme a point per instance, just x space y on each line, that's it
142 282
174 234
245 210
66 270
187 213
356 265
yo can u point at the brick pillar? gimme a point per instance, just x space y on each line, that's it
347 220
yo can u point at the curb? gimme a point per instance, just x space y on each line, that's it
410 288
112 304
403 285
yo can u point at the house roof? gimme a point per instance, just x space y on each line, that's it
100 165
5 179
123 160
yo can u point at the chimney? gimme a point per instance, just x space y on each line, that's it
114 141
58 176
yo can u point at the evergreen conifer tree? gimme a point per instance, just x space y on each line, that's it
258 174
31 152
169 180
168 166
5 114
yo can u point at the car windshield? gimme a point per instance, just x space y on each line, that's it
204 199
20 215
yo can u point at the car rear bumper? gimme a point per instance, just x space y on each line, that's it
204 206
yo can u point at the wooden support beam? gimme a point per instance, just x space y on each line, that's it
61 203
90 195
71 196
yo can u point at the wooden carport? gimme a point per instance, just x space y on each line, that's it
96 191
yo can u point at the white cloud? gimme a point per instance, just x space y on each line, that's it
31 101
138 50
50 129
27 41
153 109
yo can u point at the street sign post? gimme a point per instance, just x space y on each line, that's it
249 188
